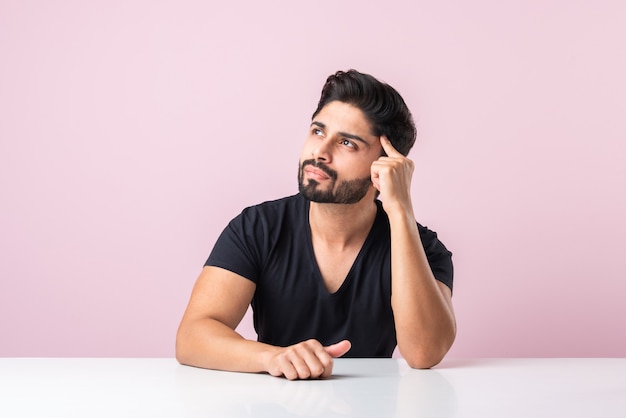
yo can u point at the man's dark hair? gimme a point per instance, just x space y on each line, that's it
382 105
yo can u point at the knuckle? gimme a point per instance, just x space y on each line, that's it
317 371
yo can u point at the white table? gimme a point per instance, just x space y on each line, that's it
503 388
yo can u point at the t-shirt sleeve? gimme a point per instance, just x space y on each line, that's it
439 257
235 251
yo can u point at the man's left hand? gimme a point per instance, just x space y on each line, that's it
391 176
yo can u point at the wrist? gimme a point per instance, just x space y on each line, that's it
400 213
265 357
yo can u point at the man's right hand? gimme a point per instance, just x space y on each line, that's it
306 360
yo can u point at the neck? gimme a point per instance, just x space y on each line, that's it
342 224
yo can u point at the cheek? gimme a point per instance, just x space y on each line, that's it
307 149
366 164
353 169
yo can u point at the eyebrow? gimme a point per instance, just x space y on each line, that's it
345 134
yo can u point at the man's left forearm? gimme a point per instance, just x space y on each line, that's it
422 306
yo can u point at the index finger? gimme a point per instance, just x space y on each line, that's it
388 148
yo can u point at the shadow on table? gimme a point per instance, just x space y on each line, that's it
463 363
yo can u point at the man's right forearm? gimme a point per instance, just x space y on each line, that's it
210 344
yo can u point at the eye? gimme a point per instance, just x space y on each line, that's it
317 132
347 143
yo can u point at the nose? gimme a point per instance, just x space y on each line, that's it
322 151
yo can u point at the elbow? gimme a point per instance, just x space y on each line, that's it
180 356
185 357
181 348
426 357
420 361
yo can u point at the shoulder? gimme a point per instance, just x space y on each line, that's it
269 215
244 245
278 205
430 240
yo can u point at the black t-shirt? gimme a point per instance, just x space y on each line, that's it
270 244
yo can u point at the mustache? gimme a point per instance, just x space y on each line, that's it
321 166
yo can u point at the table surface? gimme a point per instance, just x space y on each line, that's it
124 387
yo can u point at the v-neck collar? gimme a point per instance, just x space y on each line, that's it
311 252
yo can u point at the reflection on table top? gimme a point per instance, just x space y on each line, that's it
57 387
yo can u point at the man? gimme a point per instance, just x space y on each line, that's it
341 268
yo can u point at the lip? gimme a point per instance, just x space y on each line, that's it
315 173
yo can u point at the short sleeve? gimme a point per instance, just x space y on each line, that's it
439 257
235 250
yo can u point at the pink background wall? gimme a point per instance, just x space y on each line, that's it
132 131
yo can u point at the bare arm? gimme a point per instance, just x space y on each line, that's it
422 306
206 336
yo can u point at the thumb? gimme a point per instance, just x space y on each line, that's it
339 349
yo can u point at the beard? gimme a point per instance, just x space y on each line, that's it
346 192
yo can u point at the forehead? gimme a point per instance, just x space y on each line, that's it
344 117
